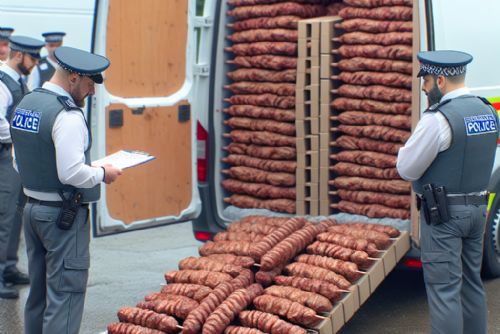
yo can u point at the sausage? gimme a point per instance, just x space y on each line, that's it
201 277
285 22
314 272
249 87
179 307
264 100
148 319
260 190
283 128
390 13
126 328
371 210
241 330
374 159
258 249
328 290
375 92
286 8
264 35
269 323
249 202
369 197
312 300
365 118
365 144
236 302
255 74
263 152
203 263
398 108
242 261
350 169
380 239
237 236
194 291
292 311
349 242
374 26
345 268
338 252
379 65
240 248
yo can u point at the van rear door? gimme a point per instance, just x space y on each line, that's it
146 103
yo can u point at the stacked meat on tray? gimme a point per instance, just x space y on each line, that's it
301 268
261 152
373 102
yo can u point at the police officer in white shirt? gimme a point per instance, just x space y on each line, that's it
24 54
449 159
52 147
47 65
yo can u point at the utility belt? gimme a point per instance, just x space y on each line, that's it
434 202
69 208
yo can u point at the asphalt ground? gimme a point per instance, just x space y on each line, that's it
127 266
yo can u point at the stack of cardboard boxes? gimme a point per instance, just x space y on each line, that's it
313 98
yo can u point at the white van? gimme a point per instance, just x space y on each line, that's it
164 94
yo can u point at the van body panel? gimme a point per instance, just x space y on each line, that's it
146 103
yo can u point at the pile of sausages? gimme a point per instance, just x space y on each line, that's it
260 116
373 107
295 282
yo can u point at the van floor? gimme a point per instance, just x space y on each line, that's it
125 267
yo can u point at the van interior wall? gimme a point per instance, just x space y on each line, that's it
258 149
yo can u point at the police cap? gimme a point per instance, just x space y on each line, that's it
53 36
81 62
443 62
5 33
27 45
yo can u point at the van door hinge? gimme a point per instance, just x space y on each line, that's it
203 21
201 70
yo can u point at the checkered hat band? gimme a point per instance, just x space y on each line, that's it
75 71
5 34
444 71
23 49
53 39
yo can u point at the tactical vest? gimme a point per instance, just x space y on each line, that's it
465 167
46 70
31 132
15 89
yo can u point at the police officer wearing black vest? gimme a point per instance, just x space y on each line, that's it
24 54
449 158
52 150
47 65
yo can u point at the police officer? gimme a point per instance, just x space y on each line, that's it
52 149
24 55
47 65
4 43
453 147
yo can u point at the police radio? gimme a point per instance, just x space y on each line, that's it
69 210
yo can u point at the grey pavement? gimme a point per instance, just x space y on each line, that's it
127 266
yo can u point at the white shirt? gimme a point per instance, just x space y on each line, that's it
431 136
71 139
6 100
34 77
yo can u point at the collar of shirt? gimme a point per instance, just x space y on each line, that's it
456 93
7 69
52 62
56 89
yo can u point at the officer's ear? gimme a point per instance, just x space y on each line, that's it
441 82
73 78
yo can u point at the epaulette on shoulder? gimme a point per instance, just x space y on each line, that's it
436 106
67 103
485 100
1 74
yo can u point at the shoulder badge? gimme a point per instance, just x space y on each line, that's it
67 103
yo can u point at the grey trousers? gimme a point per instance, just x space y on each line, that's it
10 217
451 257
58 263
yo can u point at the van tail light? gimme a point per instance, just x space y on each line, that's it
202 236
202 152
412 263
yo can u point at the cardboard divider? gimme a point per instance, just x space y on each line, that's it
306 110
402 245
337 317
328 32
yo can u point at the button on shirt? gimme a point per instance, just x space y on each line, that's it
5 102
431 136
71 139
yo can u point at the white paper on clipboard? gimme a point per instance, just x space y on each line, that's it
125 159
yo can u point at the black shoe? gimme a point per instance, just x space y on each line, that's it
8 292
14 276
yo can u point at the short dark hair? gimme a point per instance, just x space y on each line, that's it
455 79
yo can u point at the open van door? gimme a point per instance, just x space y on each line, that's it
146 103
